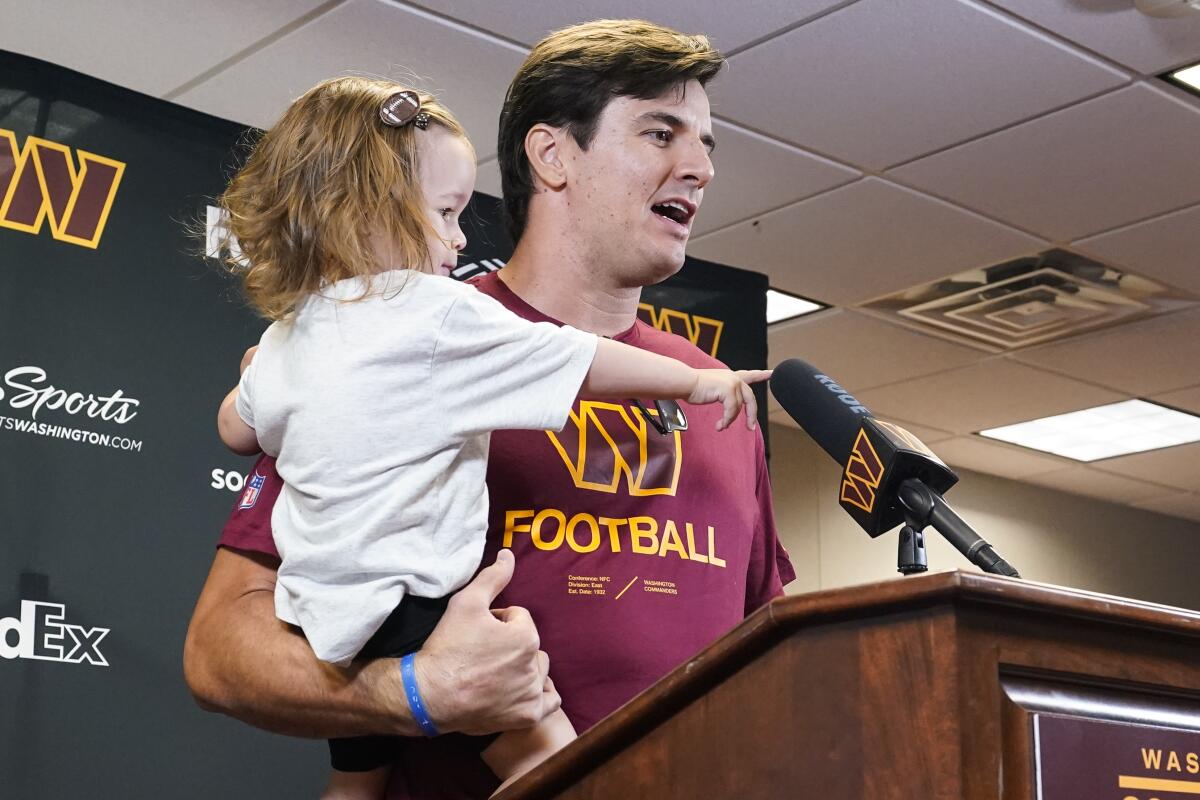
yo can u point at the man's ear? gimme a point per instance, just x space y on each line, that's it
543 148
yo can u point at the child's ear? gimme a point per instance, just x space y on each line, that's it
543 148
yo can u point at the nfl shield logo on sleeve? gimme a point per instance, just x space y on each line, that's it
253 488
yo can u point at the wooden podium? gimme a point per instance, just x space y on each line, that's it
957 686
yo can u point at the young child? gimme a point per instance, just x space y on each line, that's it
380 380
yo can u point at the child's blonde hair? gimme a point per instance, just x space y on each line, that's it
318 183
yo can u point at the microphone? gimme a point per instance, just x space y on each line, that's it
889 476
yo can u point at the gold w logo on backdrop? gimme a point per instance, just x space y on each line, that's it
704 332
606 444
40 183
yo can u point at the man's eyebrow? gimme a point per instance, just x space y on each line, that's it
665 117
676 123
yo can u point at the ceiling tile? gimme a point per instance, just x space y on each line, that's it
1100 485
1165 248
1186 506
529 22
1184 399
996 458
1172 466
861 241
1139 358
988 395
1114 28
756 174
862 352
150 46
870 83
1123 157
364 37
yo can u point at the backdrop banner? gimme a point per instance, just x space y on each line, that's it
118 339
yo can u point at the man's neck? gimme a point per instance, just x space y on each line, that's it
575 293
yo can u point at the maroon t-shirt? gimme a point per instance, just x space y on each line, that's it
633 550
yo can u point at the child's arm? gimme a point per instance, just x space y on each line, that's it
233 430
235 433
619 370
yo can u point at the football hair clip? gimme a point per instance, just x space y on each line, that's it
402 108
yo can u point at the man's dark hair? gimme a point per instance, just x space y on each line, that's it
572 74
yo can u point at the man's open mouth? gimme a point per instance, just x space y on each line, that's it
678 211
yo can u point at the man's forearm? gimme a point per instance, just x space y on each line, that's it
479 672
242 661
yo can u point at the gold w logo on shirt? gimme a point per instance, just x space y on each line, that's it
40 183
605 444
704 332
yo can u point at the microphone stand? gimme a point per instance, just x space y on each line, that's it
924 507
911 556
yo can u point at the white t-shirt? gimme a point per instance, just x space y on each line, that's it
379 412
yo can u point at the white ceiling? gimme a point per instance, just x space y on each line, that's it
864 146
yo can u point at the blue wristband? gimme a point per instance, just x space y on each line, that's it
409 678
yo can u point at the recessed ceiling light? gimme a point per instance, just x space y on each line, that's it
781 306
1117 429
1188 77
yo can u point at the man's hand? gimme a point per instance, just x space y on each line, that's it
730 389
481 670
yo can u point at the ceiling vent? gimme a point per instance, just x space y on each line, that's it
1031 300
1168 8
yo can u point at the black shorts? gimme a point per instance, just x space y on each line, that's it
403 632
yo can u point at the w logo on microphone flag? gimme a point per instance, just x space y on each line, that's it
864 473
